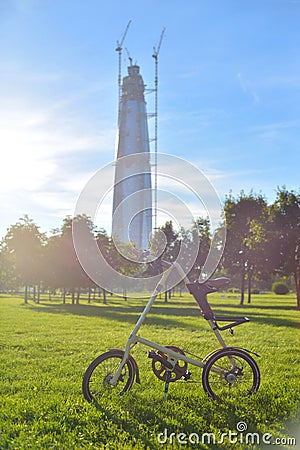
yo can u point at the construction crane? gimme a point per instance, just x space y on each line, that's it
155 56
129 57
156 50
119 50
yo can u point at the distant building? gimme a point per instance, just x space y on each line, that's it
132 188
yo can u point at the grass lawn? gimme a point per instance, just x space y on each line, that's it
46 348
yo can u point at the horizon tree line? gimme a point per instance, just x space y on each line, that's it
263 241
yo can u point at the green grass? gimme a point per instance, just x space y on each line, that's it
46 348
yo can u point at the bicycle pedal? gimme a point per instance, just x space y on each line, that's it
187 375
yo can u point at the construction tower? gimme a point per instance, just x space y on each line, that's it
132 199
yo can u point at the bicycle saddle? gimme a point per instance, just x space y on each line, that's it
217 283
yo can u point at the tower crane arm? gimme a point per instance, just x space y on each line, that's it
156 50
119 44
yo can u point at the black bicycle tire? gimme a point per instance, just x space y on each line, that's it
230 352
96 362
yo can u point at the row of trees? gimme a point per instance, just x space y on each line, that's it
263 241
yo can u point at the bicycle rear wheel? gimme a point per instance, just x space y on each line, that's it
96 380
230 372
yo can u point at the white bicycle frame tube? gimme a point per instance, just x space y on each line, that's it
134 338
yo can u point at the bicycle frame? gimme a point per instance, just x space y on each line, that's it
135 338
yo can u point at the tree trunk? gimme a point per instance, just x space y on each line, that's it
34 293
104 296
297 283
249 286
125 295
166 296
64 296
26 295
38 293
78 296
73 296
89 296
243 288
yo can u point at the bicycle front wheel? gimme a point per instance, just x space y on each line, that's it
230 372
96 380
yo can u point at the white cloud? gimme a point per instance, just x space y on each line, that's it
248 88
46 157
59 203
273 130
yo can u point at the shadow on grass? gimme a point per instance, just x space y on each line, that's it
126 314
260 306
163 315
126 425
263 318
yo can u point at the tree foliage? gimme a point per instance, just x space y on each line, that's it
246 217
286 219
263 241
22 250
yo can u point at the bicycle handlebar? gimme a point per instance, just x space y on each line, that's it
213 284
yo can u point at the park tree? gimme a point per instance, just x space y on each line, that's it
53 265
166 242
258 263
172 241
9 279
74 276
23 248
285 213
201 234
245 218
61 267
109 253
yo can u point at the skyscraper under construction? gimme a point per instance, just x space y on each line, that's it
132 200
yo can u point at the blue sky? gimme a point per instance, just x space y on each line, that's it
229 94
